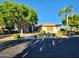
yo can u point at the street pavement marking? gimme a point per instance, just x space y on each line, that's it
25 54
53 43
36 42
42 39
41 48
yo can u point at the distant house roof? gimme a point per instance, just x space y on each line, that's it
48 25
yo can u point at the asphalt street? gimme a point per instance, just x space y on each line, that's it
51 48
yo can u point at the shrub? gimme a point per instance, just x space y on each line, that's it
42 32
53 34
77 33
63 31
35 36
48 33
17 36
2 31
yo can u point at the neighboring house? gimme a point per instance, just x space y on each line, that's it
26 28
49 28
37 27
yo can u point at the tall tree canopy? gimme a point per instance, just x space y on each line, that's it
66 11
12 13
73 21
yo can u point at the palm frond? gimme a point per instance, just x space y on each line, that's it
61 12
70 6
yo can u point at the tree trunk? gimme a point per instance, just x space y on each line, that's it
21 31
72 19
67 19
67 22
32 26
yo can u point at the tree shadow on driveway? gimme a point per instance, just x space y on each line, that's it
11 43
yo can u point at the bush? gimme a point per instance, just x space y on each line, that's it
48 33
42 32
63 31
53 34
76 33
35 36
17 36
2 31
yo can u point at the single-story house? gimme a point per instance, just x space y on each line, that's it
27 28
48 28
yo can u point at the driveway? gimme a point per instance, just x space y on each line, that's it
11 48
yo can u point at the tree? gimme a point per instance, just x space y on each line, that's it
70 20
32 18
7 14
65 11
12 14
73 21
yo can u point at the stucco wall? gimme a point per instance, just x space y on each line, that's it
50 29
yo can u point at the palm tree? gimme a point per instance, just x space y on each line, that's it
65 11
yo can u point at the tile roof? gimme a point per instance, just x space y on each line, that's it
48 25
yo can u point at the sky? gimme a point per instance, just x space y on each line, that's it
47 10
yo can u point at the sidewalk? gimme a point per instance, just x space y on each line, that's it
10 37
14 50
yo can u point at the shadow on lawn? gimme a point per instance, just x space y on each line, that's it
11 43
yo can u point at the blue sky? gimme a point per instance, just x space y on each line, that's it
48 9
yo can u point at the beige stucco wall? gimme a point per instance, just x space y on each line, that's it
50 29
55 29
